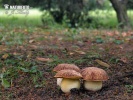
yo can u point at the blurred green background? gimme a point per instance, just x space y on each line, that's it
93 14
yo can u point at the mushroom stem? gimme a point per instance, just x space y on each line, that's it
68 84
59 80
93 85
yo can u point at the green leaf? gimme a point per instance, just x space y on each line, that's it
5 83
113 60
99 40
129 88
34 69
118 42
25 70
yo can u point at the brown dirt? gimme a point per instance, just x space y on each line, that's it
113 89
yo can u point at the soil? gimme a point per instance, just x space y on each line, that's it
118 56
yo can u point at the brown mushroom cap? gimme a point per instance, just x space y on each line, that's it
72 74
94 74
66 66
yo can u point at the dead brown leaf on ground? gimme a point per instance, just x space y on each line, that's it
102 63
44 59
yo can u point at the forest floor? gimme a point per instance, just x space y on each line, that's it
26 68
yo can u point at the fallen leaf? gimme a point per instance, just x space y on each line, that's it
44 59
80 43
89 42
3 48
34 46
60 38
22 47
5 56
80 52
31 41
124 34
102 63
29 55
124 59
3 70
15 53
71 53
116 32
109 33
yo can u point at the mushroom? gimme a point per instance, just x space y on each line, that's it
93 78
70 80
65 66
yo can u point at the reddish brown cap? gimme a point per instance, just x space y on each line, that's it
94 74
66 66
72 74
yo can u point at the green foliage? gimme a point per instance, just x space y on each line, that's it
114 60
94 19
74 13
31 70
118 41
72 33
129 88
15 66
4 82
130 4
99 40
20 20
86 59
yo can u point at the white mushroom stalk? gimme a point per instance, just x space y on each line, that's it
93 85
59 80
68 84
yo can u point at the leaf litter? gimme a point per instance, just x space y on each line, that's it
52 52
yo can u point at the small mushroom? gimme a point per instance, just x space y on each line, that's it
70 80
65 66
93 78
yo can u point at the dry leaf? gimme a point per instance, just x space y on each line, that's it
44 59
22 47
5 56
80 52
15 53
71 53
102 63
3 70
124 34
2 48
29 55
31 41
60 38
124 59
34 46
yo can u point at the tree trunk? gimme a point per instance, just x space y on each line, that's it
121 11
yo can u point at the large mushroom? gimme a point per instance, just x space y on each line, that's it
63 67
70 80
93 78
